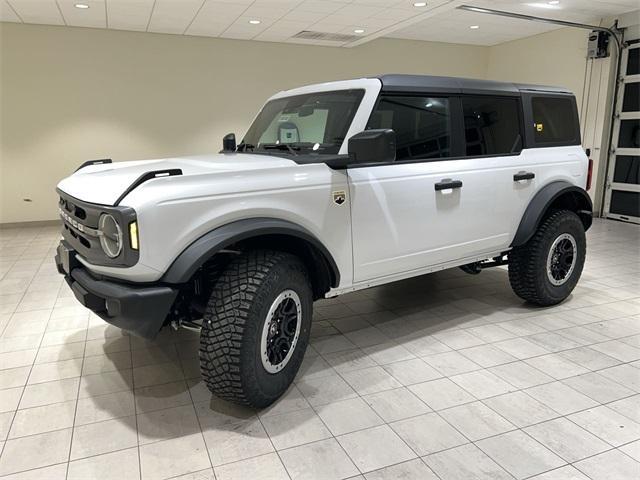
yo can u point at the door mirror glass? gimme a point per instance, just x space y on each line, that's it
373 146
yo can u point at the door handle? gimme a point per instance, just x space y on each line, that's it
523 176
447 183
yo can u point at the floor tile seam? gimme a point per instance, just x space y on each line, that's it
23 390
193 405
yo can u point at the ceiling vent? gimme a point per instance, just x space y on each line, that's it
326 37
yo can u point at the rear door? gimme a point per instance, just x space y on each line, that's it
494 135
436 203
553 152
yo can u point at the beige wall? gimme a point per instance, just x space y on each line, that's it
69 95
560 58
555 58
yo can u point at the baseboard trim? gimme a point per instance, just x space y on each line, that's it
40 223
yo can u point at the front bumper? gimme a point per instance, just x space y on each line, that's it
140 310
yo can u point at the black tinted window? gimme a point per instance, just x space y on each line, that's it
625 203
554 120
633 63
492 125
629 136
627 169
422 125
631 99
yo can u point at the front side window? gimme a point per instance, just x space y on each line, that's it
554 120
311 123
492 125
422 125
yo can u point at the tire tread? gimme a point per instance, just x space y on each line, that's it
524 261
226 322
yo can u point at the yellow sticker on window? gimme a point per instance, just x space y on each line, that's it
539 127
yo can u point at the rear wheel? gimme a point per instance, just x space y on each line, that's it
547 268
256 327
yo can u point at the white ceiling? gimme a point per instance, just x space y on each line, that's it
280 20
454 24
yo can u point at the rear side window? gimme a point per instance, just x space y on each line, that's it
492 125
422 125
554 120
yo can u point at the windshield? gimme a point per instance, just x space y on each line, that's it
311 123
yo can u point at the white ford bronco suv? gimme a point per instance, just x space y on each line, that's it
334 188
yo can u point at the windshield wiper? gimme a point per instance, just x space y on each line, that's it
280 146
243 147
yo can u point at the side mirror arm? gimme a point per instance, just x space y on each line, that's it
339 162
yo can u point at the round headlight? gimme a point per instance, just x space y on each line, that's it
110 235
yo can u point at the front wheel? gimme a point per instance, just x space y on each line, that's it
546 269
256 327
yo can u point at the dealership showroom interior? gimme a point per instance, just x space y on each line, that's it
320 239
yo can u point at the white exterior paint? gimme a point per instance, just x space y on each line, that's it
401 223
173 212
103 184
393 225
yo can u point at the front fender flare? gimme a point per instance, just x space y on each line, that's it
541 202
196 254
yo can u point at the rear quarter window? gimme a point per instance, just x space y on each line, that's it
555 120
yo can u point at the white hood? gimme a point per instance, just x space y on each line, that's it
104 184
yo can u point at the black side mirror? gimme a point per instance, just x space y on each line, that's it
373 146
229 143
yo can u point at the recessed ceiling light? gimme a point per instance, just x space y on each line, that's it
254 22
358 30
474 27
81 5
419 4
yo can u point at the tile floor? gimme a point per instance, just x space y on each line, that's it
447 376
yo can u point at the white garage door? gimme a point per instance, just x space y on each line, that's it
622 196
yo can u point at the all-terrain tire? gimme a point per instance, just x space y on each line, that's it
230 340
528 263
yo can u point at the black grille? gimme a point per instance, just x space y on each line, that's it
79 230
73 209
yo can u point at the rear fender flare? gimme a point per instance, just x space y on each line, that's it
558 194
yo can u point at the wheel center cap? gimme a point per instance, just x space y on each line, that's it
273 328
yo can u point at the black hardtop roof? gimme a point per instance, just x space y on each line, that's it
433 84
